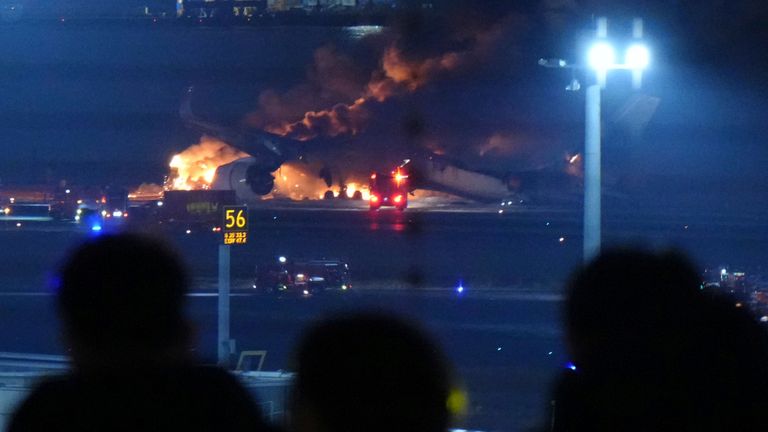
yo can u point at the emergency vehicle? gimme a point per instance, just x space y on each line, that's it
389 190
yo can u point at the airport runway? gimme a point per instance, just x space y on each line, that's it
502 333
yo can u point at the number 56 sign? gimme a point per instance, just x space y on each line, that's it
235 225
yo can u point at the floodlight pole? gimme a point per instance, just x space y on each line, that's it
592 183
224 343
592 125
592 163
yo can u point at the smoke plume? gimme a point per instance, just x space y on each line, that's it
396 74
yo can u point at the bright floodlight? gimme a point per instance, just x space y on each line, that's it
638 57
601 56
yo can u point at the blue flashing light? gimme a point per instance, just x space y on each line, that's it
460 287
96 228
570 366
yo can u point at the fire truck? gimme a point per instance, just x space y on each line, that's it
389 190
302 278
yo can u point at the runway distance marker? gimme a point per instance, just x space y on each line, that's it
235 225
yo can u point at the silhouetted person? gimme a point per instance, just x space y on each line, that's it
369 373
121 300
653 352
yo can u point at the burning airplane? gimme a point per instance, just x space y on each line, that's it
259 164
279 152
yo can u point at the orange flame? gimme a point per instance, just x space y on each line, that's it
297 181
195 167
353 187
292 181
146 192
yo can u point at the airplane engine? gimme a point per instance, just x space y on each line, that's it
249 178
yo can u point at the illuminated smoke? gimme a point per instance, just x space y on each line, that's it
410 73
397 74
195 167
342 119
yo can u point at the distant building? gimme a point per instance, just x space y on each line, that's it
248 8
329 4
219 8
84 9
283 5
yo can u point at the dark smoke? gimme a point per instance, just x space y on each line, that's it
452 84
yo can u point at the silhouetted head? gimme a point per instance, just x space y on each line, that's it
369 373
655 352
122 296
625 303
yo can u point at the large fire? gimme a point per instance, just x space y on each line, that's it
195 167
293 181
353 187
297 181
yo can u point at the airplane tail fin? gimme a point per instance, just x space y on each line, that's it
636 113
189 117
185 110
